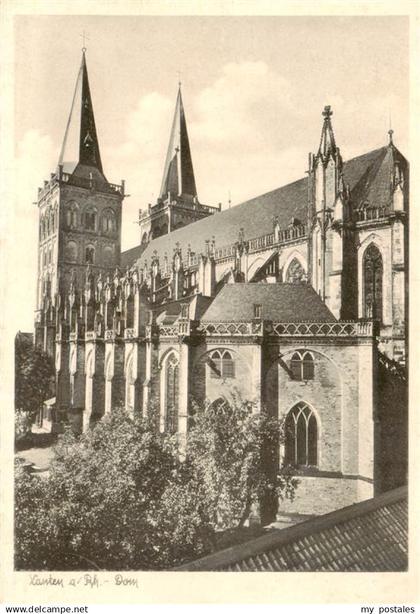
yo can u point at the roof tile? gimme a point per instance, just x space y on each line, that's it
367 536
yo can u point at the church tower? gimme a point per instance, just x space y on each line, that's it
79 212
178 203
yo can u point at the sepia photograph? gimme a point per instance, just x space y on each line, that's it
211 323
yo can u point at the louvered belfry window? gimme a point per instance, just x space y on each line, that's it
373 274
172 393
301 444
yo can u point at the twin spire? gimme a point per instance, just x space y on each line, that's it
81 146
178 174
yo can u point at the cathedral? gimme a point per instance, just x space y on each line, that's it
295 300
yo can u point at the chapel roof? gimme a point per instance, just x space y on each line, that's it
367 536
368 176
281 302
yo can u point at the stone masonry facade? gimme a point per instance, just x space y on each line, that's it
295 300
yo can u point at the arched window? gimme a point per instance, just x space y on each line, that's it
48 222
72 215
90 219
144 238
129 312
71 251
301 431
55 217
108 221
90 254
171 393
221 364
373 274
108 255
295 273
302 366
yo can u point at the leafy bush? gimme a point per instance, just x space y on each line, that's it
23 424
124 496
34 376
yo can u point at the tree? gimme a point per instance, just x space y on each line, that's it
34 375
99 500
231 465
124 496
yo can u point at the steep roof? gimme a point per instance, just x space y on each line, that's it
280 302
367 536
368 176
375 185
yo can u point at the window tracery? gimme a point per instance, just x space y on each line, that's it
301 443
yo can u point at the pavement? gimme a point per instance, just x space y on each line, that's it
39 454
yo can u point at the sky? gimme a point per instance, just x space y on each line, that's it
253 89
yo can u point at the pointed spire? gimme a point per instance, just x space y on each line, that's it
80 144
178 174
327 144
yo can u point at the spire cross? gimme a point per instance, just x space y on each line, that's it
84 37
390 132
327 112
178 72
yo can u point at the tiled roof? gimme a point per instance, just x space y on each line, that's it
374 186
280 302
255 216
367 536
131 255
168 312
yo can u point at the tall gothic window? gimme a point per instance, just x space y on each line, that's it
295 273
302 366
71 251
129 312
108 221
90 254
90 219
71 215
373 274
301 444
171 393
221 364
108 255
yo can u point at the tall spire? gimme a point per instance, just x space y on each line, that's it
327 144
80 144
178 174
